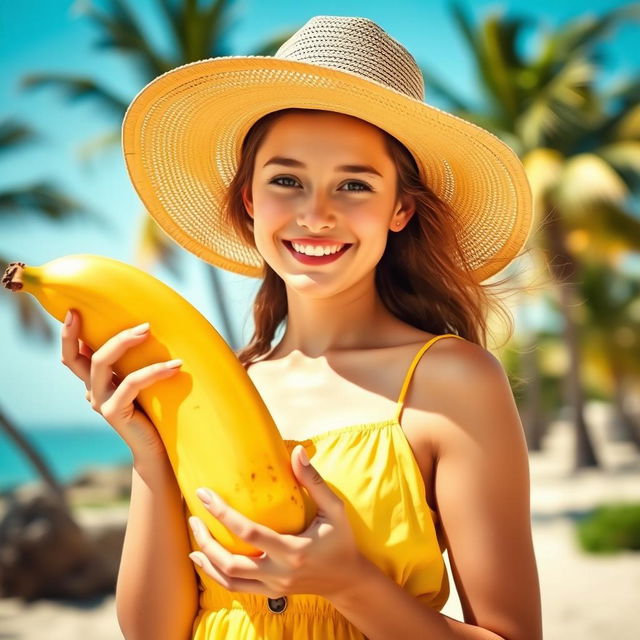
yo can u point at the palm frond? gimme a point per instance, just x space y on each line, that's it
120 30
624 157
587 181
560 110
433 83
44 199
216 21
99 144
77 87
153 246
543 167
466 28
272 44
626 92
174 19
498 62
197 31
625 124
581 35
610 228
608 293
32 319
15 134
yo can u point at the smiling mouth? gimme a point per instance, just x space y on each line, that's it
307 259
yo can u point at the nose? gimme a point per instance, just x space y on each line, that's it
316 214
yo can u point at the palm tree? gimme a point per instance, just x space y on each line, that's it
198 30
579 145
612 337
198 33
44 200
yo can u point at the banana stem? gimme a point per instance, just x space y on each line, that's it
12 277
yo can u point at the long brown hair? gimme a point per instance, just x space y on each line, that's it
422 277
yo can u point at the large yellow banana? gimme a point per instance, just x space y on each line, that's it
216 428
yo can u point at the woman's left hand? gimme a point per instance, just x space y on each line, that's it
324 559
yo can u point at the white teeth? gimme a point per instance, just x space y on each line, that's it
311 250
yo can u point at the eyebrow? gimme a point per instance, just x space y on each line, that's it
349 168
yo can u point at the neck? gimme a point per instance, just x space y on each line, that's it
351 320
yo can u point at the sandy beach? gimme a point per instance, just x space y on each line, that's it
584 597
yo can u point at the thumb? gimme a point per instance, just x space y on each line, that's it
308 476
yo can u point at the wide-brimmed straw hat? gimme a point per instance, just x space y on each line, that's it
182 135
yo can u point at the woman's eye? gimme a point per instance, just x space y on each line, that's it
364 186
275 180
361 184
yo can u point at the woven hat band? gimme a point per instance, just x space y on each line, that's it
359 46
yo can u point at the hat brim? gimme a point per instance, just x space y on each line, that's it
182 136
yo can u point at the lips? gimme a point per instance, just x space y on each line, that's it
315 260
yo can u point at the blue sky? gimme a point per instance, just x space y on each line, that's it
35 388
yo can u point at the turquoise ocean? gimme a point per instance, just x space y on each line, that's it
68 451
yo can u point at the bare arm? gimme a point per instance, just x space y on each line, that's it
482 492
482 488
156 593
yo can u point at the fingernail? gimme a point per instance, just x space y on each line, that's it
195 527
304 458
68 318
140 329
173 363
196 560
206 496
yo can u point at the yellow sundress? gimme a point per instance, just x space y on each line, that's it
373 469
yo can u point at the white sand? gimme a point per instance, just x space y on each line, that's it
584 597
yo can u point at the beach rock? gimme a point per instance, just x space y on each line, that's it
45 553
101 484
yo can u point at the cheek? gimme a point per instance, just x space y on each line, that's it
370 229
271 222
272 212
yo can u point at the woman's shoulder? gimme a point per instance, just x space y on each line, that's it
461 358
453 372
464 389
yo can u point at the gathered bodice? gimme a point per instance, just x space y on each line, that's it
373 469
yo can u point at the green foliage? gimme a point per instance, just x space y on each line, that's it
551 383
611 528
547 97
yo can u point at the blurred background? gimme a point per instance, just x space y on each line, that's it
558 83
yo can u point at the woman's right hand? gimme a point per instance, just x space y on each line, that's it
116 402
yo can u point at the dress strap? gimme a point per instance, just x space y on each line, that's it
407 379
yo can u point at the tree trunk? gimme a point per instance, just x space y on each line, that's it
38 462
533 416
625 425
563 267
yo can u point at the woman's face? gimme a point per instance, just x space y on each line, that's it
325 177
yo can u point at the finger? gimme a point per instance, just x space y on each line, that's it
252 532
120 406
72 357
323 495
85 349
231 584
102 361
230 564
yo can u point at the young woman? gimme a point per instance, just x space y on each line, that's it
372 219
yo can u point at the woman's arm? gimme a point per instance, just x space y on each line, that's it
482 488
156 592
482 493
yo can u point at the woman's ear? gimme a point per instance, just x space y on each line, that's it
247 200
404 212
